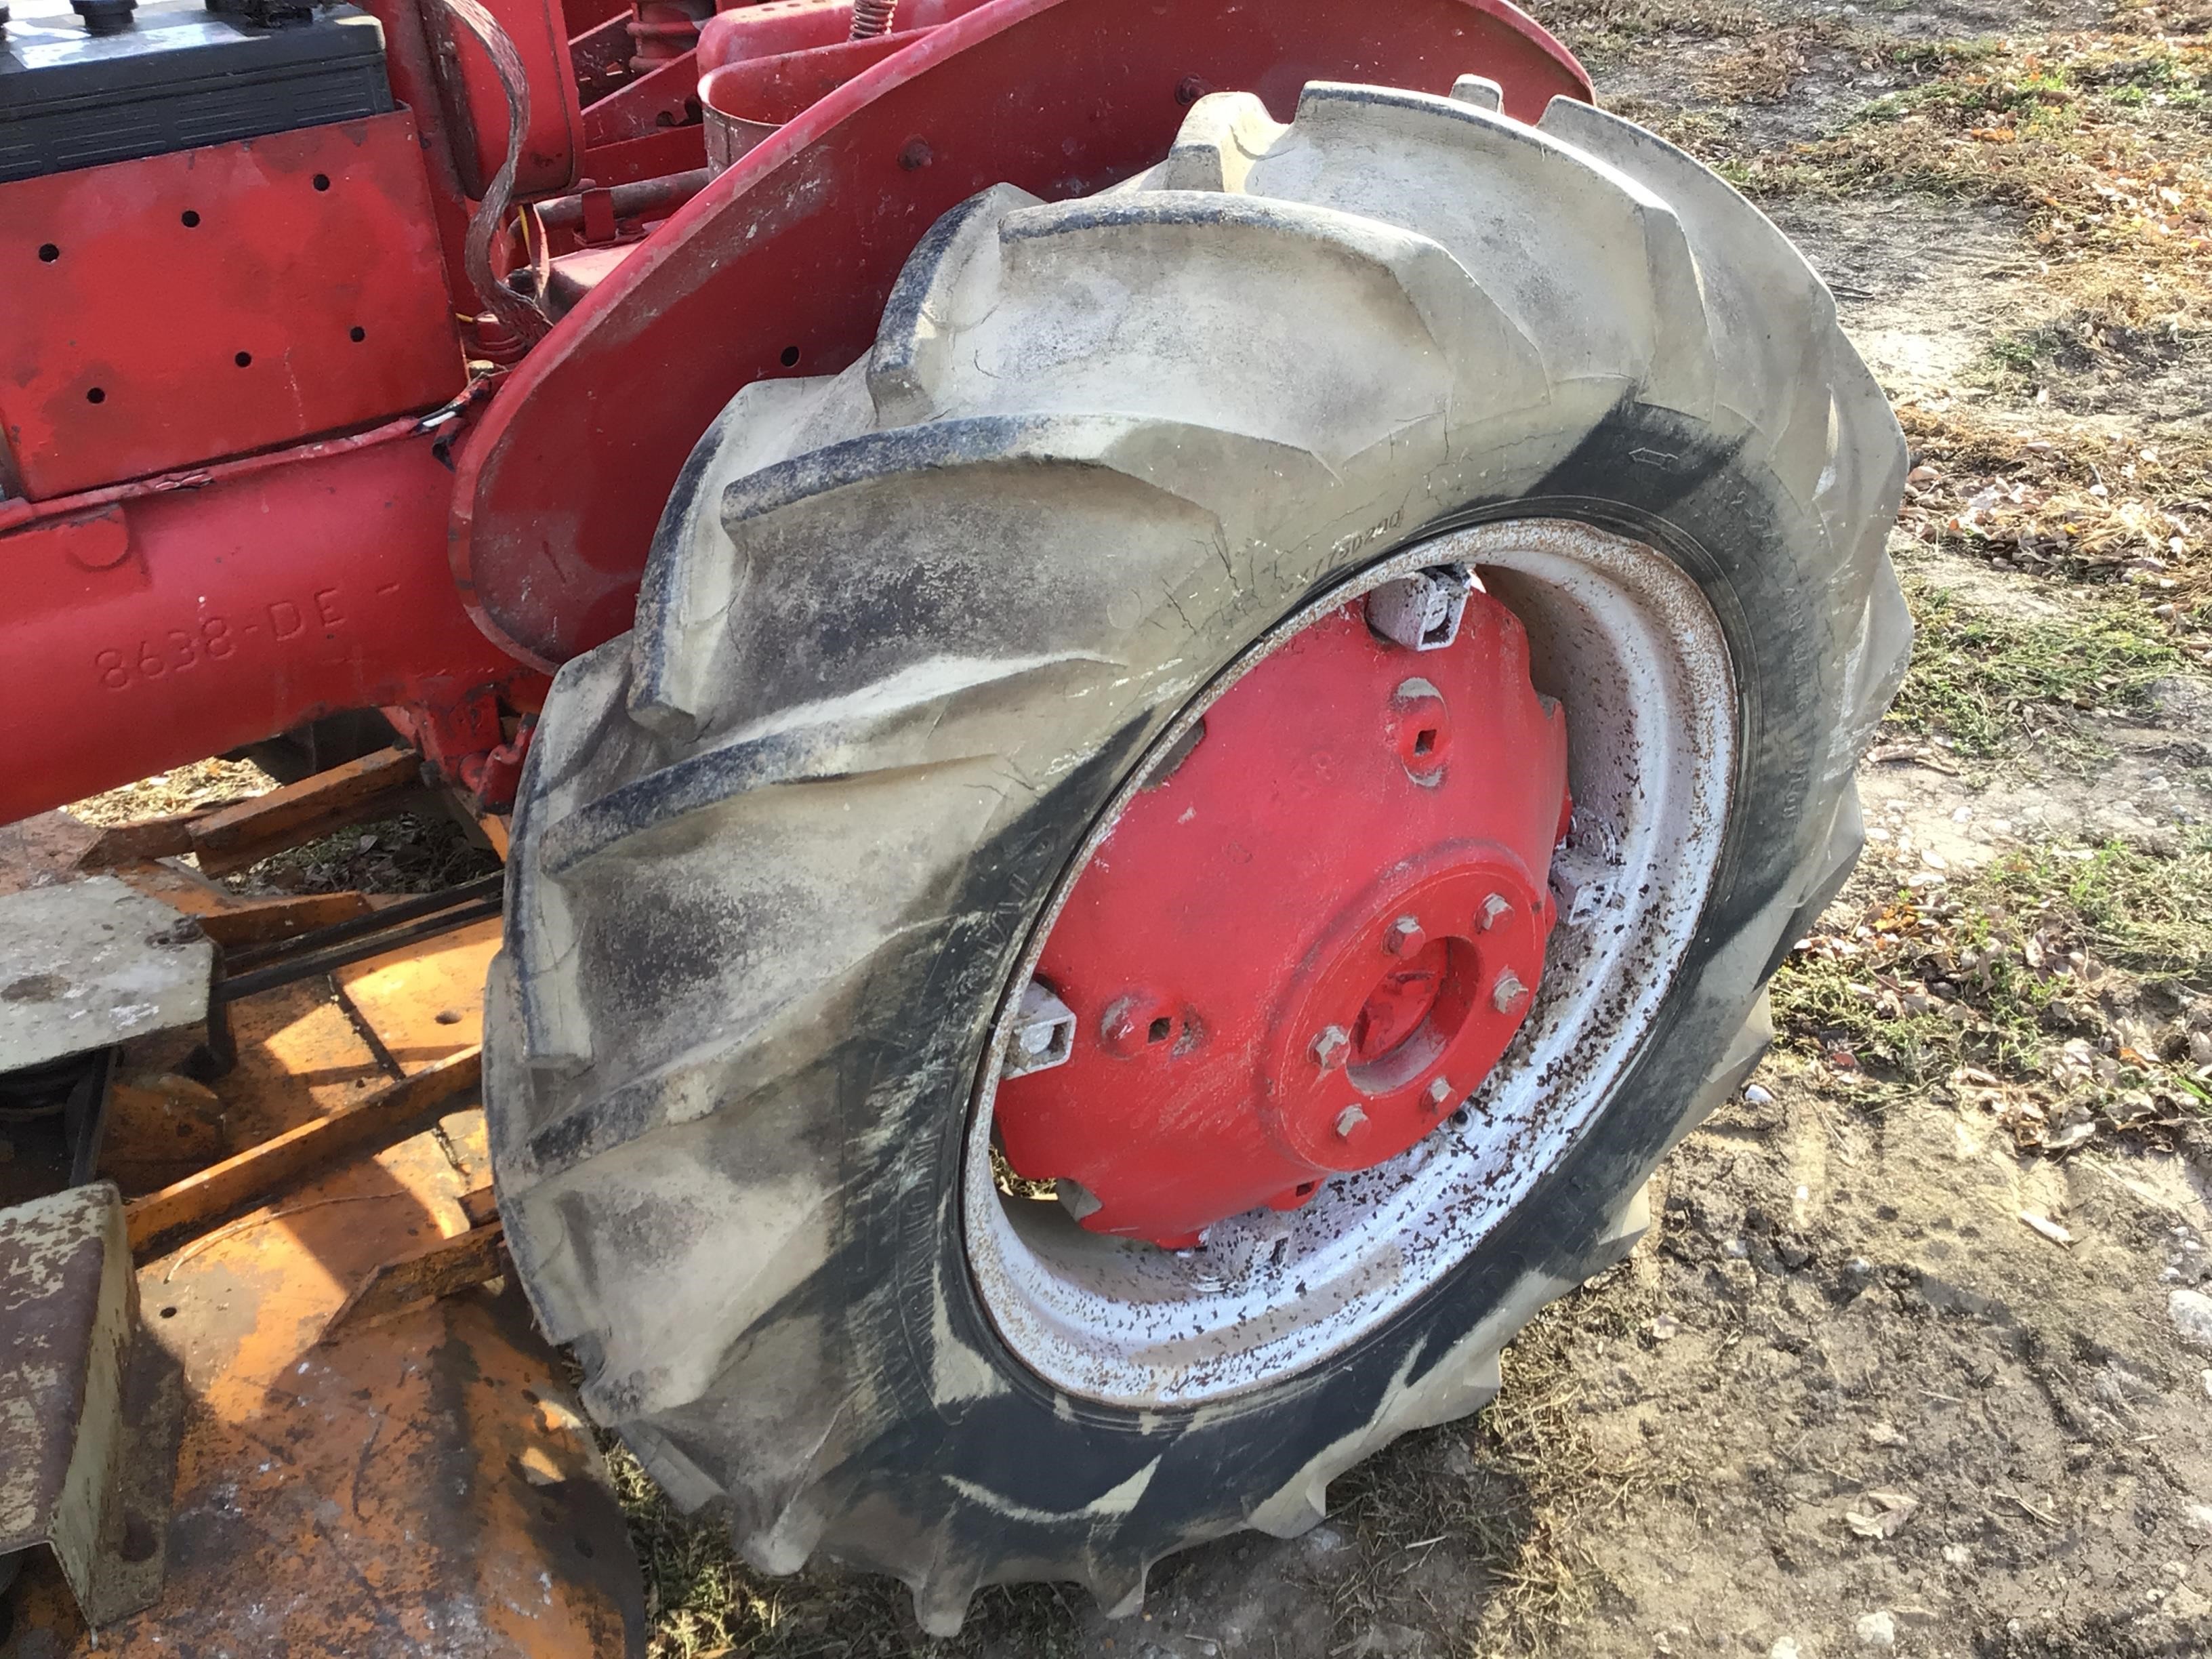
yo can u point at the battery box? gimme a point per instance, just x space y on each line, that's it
176 76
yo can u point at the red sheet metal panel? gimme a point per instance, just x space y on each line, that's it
169 311
781 265
145 632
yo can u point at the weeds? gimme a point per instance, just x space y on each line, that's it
1979 681
1512 1491
2052 986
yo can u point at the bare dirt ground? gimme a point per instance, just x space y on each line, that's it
1911 1362
1918 1356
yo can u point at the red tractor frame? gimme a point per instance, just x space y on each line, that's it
383 413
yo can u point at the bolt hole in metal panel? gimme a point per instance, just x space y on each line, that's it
1622 637
127 322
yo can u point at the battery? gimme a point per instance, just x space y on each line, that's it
176 76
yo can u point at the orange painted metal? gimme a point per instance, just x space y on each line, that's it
475 1257
423 1000
372 1122
414 1478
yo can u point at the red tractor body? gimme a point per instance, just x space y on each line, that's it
283 438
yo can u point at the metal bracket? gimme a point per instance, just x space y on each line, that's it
90 1408
1043 1034
1421 611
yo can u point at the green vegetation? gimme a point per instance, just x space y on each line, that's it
1980 681
2054 977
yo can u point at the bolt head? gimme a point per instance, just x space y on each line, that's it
1347 1121
1405 937
1509 993
1493 907
1330 1048
1439 1092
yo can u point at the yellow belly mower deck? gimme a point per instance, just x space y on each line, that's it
378 1453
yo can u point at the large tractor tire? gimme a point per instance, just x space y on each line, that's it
1123 519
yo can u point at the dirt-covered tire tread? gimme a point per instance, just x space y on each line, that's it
815 777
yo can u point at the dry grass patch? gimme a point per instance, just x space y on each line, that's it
1515 1490
2104 141
2062 990
2078 505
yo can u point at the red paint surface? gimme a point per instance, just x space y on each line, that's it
157 630
135 540
1298 920
792 250
122 324
474 103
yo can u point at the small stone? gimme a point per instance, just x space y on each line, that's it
1785 1647
1755 1096
2192 1314
1958 1555
1665 1327
1877 1629
2199 1515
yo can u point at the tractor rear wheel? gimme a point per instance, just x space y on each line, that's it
1111 742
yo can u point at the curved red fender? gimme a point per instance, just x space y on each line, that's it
781 265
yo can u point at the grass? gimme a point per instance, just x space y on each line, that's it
2059 498
1508 1492
2102 142
2052 977
1983 683
1512 1491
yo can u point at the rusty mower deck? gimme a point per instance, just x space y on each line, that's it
376 1452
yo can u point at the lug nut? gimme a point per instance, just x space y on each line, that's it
1348 1119
1439 1092
1493 907
1505 996
1405 937
1328 1048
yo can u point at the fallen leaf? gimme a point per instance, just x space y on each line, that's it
1885 1513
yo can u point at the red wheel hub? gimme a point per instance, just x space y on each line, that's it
1309 936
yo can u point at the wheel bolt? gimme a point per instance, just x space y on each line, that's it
1328 1048
1348 1119
1439 1092
1493 907
1505 996
1405 937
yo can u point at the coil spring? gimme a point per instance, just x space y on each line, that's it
663 29
872 18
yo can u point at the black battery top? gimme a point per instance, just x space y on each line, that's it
126 81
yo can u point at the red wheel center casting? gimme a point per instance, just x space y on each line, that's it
1309 936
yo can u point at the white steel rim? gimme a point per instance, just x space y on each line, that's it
1626 639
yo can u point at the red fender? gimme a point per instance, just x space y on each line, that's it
781 265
